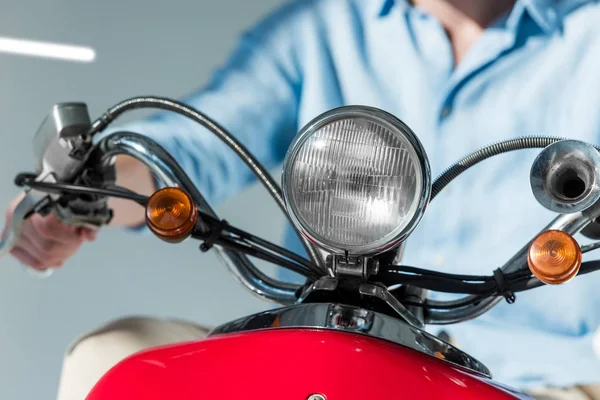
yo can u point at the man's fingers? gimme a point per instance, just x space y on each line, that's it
26 258
45 241
88 234
50 253
53 229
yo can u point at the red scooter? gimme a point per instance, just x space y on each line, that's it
356 182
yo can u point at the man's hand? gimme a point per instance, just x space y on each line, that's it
46 242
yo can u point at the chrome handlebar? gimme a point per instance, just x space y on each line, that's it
63 145
569 223
560 161
255 166
168 171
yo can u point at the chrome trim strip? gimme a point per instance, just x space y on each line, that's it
355 320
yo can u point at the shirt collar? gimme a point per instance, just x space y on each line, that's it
548 14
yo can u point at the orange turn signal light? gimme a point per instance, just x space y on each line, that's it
554 257
171 215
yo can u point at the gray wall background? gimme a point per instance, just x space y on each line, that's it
143 47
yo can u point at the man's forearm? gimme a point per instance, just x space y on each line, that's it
133 175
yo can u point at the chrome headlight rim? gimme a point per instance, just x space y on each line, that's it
397 127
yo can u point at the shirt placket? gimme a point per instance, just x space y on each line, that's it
447 81
494 42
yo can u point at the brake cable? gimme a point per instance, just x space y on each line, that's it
482 286
245 242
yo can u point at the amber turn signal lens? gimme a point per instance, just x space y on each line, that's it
170 214
554 257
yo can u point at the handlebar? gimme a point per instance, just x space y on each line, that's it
240 150
569 223
63 143
168 172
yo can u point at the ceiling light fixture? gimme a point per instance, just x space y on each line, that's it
47 50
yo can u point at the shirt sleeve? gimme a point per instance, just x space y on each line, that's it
254 96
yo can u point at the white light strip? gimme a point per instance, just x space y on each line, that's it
48 50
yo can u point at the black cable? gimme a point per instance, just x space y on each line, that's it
468 302
505 146
62 188
121 188
425 272
450 283
225 136
273 247
272 258
532 283
519 284
255 246
262 243
590 247
589 266
231 243
299 265
504 286
284 262
435 283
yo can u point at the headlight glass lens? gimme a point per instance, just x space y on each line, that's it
355 183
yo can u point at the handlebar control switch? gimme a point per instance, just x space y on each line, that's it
62 143
88 210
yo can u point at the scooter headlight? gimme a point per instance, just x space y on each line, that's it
356 179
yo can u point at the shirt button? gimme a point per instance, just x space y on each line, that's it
446 111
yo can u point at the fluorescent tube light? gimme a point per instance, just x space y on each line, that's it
47 50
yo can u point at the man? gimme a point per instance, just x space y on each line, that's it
461 74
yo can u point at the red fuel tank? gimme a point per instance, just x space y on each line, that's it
292 364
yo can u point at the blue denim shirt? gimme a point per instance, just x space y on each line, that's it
536 70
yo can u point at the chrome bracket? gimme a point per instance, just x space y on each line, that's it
357 266
369 289
366 289
325 283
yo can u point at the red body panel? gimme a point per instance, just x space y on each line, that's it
290 364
